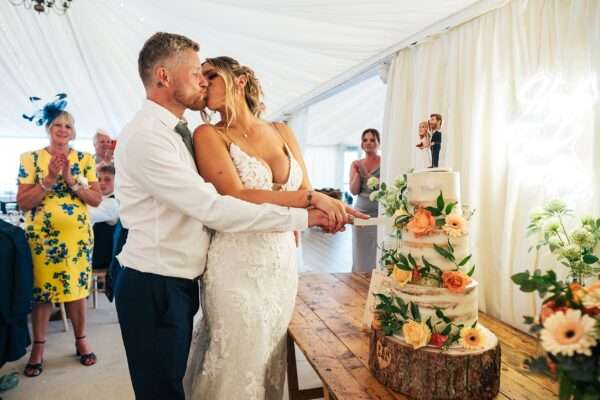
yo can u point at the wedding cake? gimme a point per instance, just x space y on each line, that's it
426 340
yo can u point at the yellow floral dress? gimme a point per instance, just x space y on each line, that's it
58 230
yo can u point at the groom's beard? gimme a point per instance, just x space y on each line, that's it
195 102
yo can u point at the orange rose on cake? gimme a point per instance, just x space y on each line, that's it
416 334
455 281
422 223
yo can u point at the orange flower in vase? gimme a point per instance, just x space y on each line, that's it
548 309
455 281
422 223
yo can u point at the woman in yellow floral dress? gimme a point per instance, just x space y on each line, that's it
55 184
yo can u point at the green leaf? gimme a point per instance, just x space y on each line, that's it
528 319
440 202
520 278
474 324
402 260
414 310
450 207
465 260
447 330
434 211
444 253
471 271
412 261
428 323
450 248
566 387
590 259
529 286
439 313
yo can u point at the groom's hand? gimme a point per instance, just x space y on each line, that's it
319 218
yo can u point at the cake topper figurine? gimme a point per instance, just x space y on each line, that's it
435 126
425 140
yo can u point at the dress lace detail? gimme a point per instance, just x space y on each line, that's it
249 290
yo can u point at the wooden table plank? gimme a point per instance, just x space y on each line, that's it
337 367
329 311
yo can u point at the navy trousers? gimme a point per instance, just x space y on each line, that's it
435 155
156 316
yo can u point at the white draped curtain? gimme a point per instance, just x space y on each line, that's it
519 92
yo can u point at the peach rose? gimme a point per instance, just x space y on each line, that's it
422 223
590 296
416 334
400 276
455 281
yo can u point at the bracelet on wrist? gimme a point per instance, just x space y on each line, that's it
309 196
75 187
46 188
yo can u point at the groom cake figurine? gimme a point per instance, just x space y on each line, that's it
435 125
169 209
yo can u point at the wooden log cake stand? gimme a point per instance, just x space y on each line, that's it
430 373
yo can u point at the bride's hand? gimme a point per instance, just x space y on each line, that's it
335 210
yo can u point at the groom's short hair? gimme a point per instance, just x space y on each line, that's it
160 46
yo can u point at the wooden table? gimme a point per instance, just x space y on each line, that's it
327 327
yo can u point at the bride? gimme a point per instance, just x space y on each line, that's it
250 283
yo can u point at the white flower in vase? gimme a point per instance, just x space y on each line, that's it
569 333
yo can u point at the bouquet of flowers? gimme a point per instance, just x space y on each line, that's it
569 321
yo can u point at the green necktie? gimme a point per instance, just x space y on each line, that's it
182 129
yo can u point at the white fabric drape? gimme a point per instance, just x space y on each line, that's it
91 53
518 89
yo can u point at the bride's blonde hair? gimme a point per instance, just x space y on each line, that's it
229 69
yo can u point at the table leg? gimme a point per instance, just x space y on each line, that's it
292 374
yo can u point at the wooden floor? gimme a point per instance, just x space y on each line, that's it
323 252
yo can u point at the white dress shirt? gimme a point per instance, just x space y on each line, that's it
168 207
107 211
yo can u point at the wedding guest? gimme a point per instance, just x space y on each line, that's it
435 124
104 218
103 144
364 239
55 185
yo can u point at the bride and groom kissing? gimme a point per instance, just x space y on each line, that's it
219 209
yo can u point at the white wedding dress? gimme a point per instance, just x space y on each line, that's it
249 290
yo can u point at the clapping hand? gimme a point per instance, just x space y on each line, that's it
55 167
66 172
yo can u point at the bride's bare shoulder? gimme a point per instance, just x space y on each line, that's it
209 134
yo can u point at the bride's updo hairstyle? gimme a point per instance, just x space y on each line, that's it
229 69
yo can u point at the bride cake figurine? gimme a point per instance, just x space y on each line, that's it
424 136
425 142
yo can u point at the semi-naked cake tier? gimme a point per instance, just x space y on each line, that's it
423 187
420 247
460 308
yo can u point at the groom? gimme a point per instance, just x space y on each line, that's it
169 209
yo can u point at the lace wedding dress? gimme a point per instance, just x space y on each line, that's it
249 290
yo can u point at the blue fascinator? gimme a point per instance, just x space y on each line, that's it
49 112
